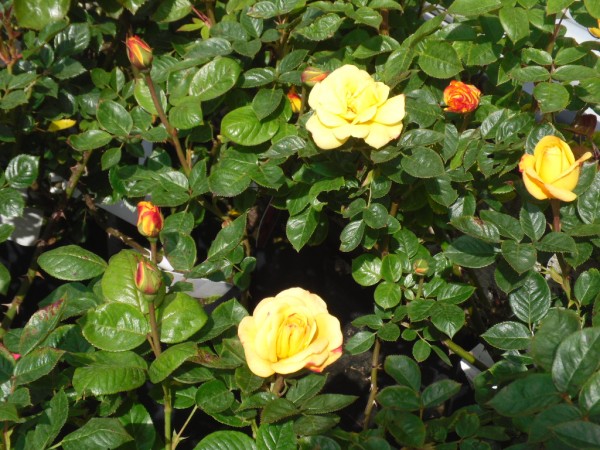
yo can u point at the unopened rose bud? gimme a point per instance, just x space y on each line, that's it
139 53
421 267
295 100
312 75
461 97
148 278
150 220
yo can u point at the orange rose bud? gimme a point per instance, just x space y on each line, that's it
461 97
421 267
139 53
150 220
312 75
148 278
294 99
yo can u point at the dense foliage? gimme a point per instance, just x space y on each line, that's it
448 147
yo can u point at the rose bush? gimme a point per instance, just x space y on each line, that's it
552 171
349 103
289 332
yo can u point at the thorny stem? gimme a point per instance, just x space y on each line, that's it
170 129
177 437
374 388
45 240
564 267
464 354
550 45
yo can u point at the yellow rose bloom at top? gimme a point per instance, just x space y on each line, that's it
349 103
552 171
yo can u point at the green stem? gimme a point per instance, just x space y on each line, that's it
464 354
45 241
564 267
168 416
177 437
170 129
374 388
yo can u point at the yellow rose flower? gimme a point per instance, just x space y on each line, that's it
289 332
595 31
349 103
552 172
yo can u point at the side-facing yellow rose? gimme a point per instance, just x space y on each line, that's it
289 332
552 171
349 103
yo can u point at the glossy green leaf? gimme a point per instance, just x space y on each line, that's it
215 78
95 434
89 140
266 101
470 252
179 317
531 301
521 257
438 59
526 395
22 171
326 403
36 14
532 221
587 286
551 97
577 358
243 127
588 203
473 7
139 425
118 283
36 364
278 409
360 342
388 295
477 228
508 336
300 228
170 360
437 393
579 433
447 318
72 263
230 440
515 22
555 242
366 269
114 118
53 419
40 325
228 238
322 28
551 331
404 370
306 388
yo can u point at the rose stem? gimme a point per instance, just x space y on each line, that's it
177 437
277 386
47 235
170 129
564 267
157 352
374 389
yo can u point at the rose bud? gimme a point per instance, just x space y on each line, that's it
295 100
290 332
148 278
139 53
150 219
421 267
312 75
461 97
552 171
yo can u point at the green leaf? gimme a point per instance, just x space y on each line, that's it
577 358
587 286
172 10
4 279
551 331
388 295
477 228
36 14
555 242
114 118
306 388
278 409
228 238
400 398
179 317
118 283
266 101
111 157
36 364
544 422
22 171
507 225
508 336
588 203
186 115
230 440
300 228
169 360
532 221
214 397
72 263
578 434
392 266
142 95
521 257
454 293
439 60
437 393
527 395
531 301
470 252
51 422
589 397
243 127
360 342
352 235
95 434
366 269
421 350
276 437
375 216
404 370
593 8
326 403
447 318
109 373
259 76
224 316
322 28
551 97
407 429
115 327
530 74
40 325
11 202
473 7
139 425
515 22
555 6
389 332
215 78
179 248
89 140
232 175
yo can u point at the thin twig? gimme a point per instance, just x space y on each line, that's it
374 388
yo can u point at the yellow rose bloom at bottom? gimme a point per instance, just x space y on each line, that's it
289 332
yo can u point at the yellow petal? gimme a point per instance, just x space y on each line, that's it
61 124
328 327
322 135
380 134
534 185
548 167
247 334
560 194
392 111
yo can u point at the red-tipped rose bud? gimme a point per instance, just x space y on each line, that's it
461 97
421 267
312 75
148 278
139 53
294 99
150 220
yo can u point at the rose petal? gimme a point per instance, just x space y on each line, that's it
322 135
379 134
392 111
247 335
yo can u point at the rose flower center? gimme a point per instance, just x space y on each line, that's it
294 335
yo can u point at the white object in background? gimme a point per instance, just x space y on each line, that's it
202 287
27 227
482 355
